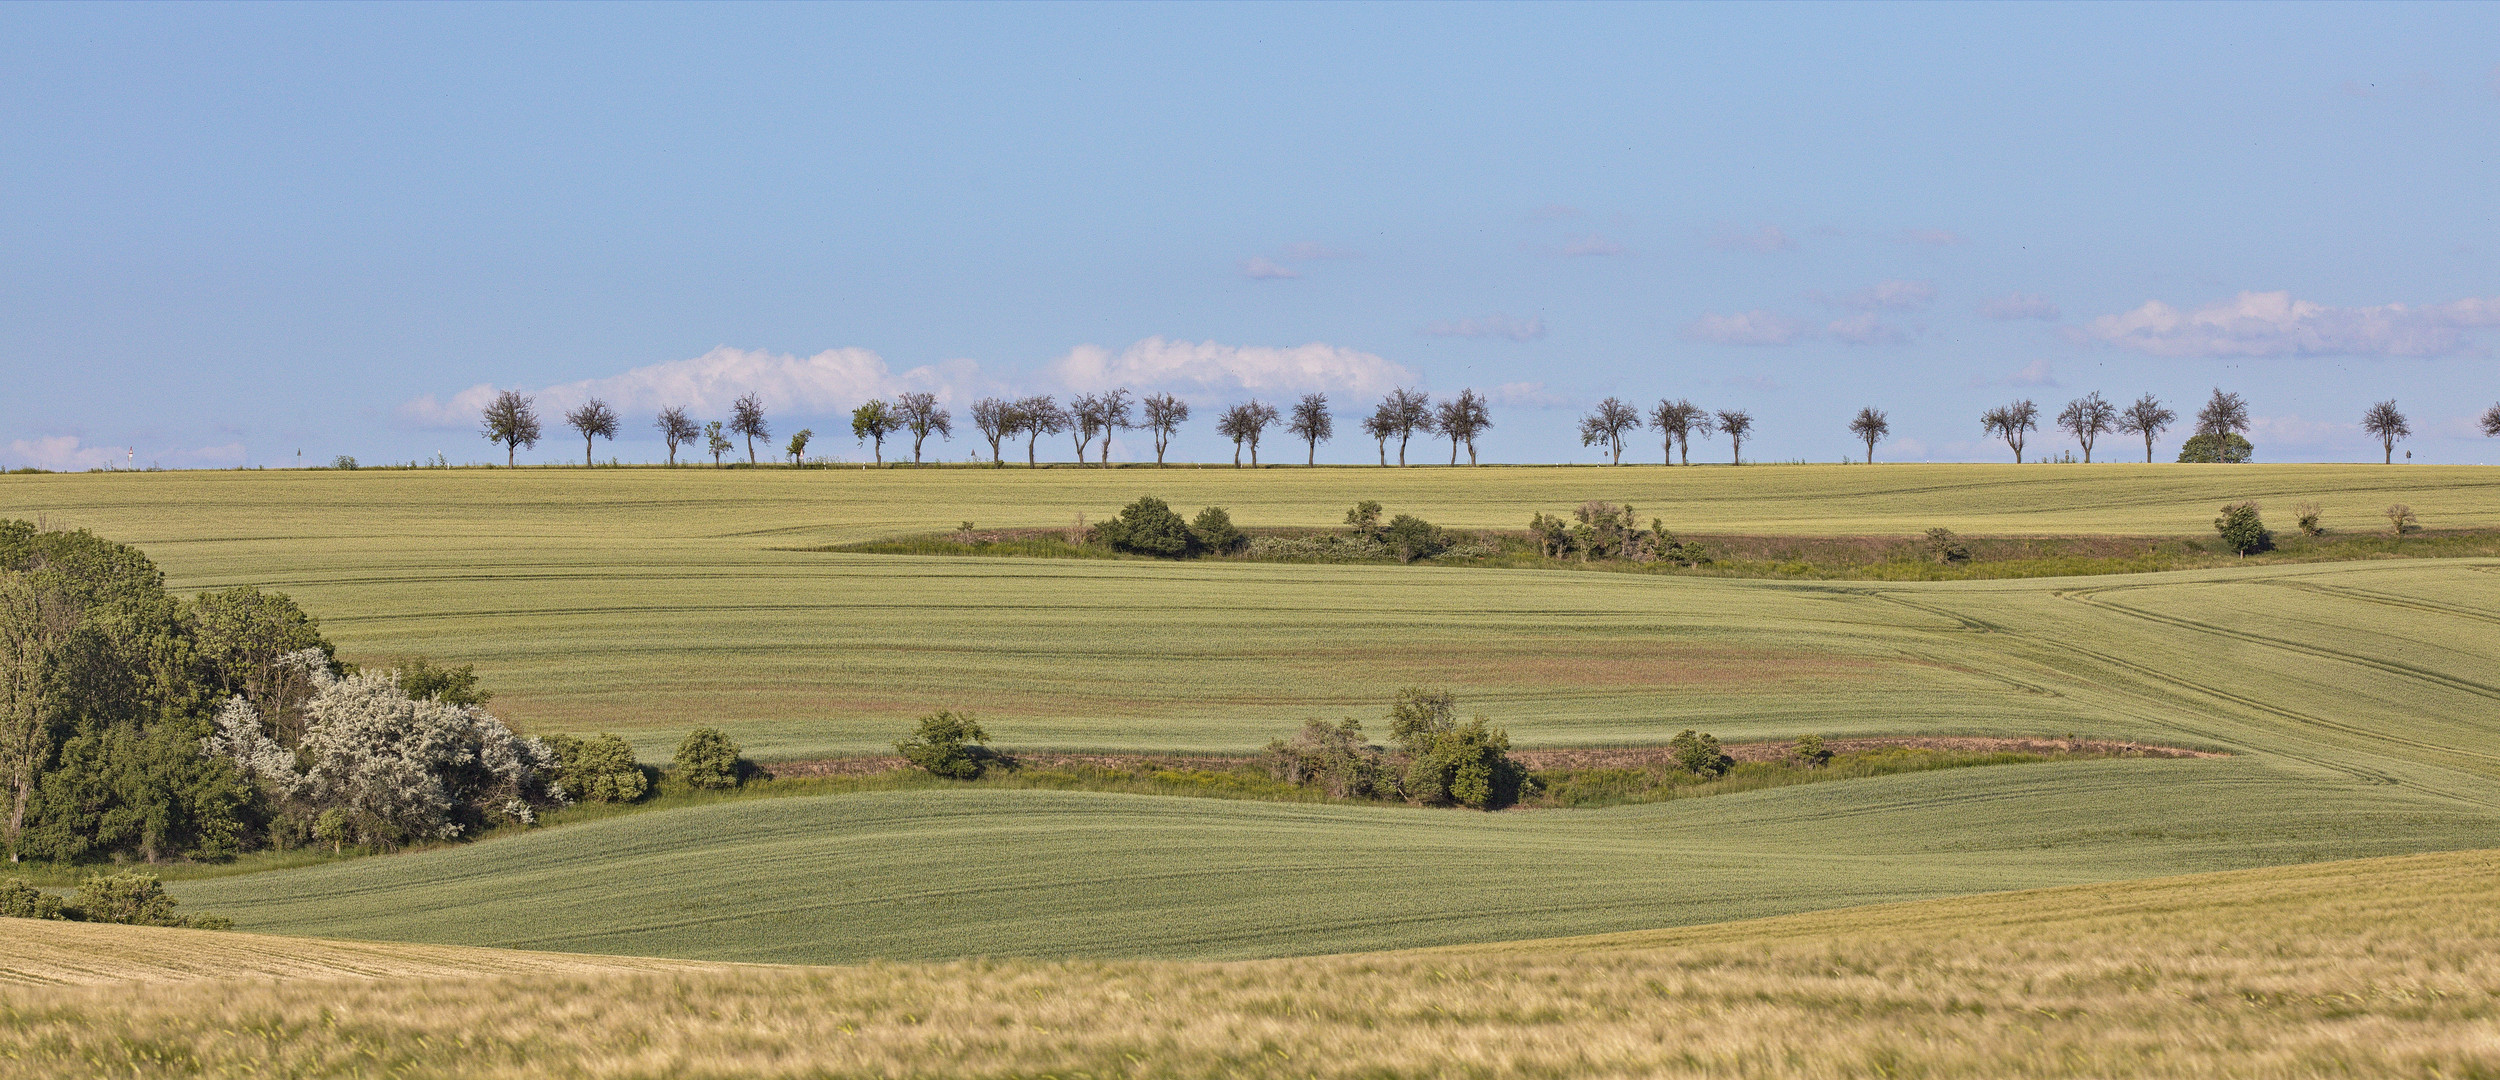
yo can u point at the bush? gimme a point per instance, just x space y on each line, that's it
132 900
707 759
420 678
2400 518
1331 548
2242 531
1331 757
1213 529
1364 518
1947 548
19 900
600 770
2205 449
946 745
1147 527
1809 751
1411 538
1700 754
342 462
1449 764
2311 519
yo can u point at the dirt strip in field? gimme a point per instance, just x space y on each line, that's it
1622 757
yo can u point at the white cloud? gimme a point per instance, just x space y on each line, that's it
2035 373
2274 324
1766 238
1592 244
1896 295
2013 306
63 453
1866 328
1528 394
1207 364
1931 237
1308 250
706 385
1258 268
2297 431
1748 328
1500 326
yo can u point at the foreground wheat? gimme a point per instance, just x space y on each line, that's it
2386 967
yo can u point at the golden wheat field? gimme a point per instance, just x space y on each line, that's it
2386 967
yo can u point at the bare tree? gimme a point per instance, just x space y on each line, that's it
1115 417
2389 425
1736 422
919 411
676 430
746 417
1245 423
2147 418
996 420
2013 423
2491 422
2223 414
1313 425
513 421
872 422
2088 418
1605 425
1409 411
1382 423
1084 419
1041 416
593 419
1164 415
1677 422
1462 418
1870 426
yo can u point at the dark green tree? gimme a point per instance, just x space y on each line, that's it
1699 753
1213 531
948 744
706 759
1147 527
2241 529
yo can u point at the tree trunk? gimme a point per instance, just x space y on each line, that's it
586 462
509 449
1402 437
1471 452
1313 457
1236 453
750 449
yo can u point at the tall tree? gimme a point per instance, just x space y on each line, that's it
1313 425
1462 418
2389 425
2013 423
2223 414
872 422
746 417
919 411
1041 416
2088 418
34 624
1115 416
1736 422
1245 423
676 430
513 421
1164 416
1084 419
2147 418
1408 411
996 419
1605 425
593 419
1871 427
798 445
1677 422
1380 425
717 441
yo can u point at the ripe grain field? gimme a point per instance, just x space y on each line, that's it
2374 968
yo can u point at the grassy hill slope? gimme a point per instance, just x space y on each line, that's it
2375 968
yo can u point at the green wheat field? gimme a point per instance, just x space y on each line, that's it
2356 706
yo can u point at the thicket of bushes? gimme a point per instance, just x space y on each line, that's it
132 899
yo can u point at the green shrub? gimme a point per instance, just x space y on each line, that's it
19 900
2241 529
2206 449
1147 527
1809 751
132 899
1330 757
1364 518
1447 763
707 759
420 678
1947 548
1700 754
600 770
1411 538
2311 518
947 745
1214 531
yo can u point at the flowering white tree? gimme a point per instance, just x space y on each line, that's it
379 766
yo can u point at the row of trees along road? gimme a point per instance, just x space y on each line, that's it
2220 434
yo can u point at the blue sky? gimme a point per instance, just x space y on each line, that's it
228 234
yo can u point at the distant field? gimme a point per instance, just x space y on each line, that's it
648 601
2377 968
38 953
